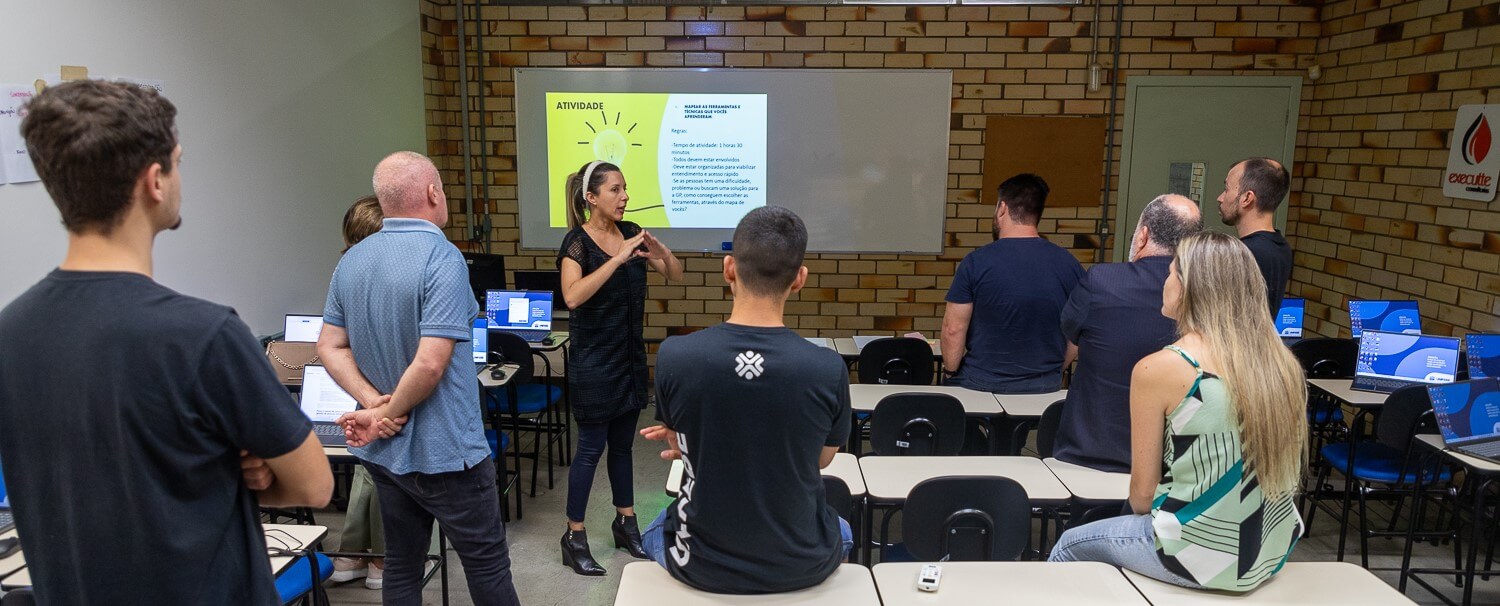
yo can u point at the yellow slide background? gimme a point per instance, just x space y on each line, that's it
624 133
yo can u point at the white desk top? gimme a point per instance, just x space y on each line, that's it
892 478
1029 405
337 452
863 397
648 584
486 381
1090 484
14 561
845 467
1298 583
1470 461
1051 583
849 348
1341 390
301 537
823 342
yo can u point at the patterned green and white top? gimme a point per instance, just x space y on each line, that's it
1212 522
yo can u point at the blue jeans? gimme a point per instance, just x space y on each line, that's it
653 540
1125 541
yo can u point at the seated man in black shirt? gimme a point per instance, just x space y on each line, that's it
1253 190
754 411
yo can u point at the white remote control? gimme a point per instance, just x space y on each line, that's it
928 578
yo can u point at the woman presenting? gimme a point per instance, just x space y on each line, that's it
603 261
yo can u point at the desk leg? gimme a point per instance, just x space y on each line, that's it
1477 534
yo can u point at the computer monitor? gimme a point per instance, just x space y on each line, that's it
518 309
1467 411
1289 317
302 328
1385 316
1484 355
542 280
481 340
486 273
1406 357
323 401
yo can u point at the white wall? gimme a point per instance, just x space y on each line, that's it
284 107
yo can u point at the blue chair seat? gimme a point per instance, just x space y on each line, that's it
496 449
1376 462
1324 416
533 398
296 581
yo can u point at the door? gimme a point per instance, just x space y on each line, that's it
1183 133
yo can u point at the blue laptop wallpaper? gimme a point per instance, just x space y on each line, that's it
4 496
1484 355
1467 410
1389 316
1410 357
518 309
1289 319
481 340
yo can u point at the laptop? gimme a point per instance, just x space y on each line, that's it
302 328
7 520
481 340
1484 355
527 313
542 280
1387 316
1468 413
324 402
1289 318
1388 361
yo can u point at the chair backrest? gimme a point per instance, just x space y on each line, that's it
1046 428
1327 358
896 361
918 424
966 518
19 597
1407 412
836 494
508 348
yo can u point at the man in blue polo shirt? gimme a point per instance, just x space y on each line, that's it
398 303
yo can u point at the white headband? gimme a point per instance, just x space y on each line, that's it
588 173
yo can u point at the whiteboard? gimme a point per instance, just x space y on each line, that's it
860 155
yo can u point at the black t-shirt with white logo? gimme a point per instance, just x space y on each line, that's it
753 408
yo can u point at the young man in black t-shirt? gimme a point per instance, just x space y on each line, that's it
1253 190
754 411
140 428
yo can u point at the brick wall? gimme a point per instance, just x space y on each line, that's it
1373 221
1005 60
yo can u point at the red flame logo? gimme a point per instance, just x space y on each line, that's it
1477 141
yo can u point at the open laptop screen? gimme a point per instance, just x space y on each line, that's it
1467 411
1388 316
529 309
303 328
1420 358
1484 355
322 399
4 496
481 340
1289 318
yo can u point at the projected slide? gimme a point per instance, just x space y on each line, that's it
690 160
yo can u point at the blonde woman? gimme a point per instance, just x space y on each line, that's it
1223 411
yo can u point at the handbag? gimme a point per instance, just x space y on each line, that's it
288 358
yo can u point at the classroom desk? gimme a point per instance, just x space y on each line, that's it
489 383
847 347
14 561
845 467
1025 411
863 397
1090 485
1340 390
559 339
1298 583
1487 474
823 342
648 584
1050 583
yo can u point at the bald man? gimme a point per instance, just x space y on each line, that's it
1114 319
1253 190
398 306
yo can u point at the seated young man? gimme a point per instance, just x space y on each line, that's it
754 411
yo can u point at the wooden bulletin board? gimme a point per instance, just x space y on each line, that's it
1067 152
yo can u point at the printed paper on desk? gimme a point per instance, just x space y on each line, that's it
15 166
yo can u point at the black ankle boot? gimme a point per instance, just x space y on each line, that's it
628 536
575 554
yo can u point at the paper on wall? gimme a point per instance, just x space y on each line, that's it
15 166
159 85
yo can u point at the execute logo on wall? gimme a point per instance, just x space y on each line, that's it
1473 165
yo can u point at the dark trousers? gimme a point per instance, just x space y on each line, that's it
465 504
619 436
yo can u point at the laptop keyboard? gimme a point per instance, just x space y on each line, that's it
1380 384
328 430
532 335
1488 450
6 519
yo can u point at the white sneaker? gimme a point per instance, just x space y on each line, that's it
375 578
347 569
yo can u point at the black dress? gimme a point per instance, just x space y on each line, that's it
607 349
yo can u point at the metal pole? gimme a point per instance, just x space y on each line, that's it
463 95
1109 146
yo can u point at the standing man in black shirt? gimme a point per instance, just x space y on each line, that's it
1252 191
140 428
754 411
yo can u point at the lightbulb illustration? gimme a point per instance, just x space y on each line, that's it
610 146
